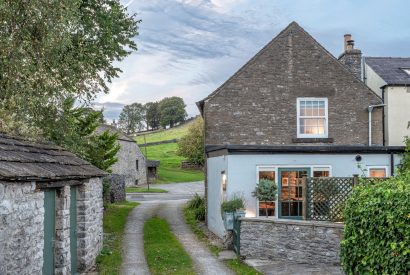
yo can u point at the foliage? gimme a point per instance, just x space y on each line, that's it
191 146
132 118
144 190
74 129
172 111
233 204
52 50
198 205
152 115
377 228
265 191
164 254
170 167
405 161
115 217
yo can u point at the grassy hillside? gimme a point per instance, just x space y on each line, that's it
174 133
170 170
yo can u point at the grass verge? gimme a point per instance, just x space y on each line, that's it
170 166
164 254
115 217
241 268
144 190
173 133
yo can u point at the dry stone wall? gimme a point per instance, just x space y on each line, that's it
316 243
21 228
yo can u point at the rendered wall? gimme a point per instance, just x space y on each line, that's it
397 122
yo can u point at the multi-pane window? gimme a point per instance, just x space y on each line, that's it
377 172
312 117
321 172
268 206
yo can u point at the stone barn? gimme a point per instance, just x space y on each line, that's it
131 162
51 209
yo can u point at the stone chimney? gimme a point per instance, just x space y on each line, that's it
351 57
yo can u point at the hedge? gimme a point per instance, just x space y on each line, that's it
377 228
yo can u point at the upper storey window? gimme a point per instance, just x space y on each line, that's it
312 118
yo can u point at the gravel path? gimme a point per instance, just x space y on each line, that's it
169 206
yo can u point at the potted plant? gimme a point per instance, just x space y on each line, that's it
265 191
229 208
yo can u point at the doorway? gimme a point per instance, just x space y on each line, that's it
49 231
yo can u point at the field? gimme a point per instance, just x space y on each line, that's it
174 133
170 166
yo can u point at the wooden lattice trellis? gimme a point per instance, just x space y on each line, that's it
325 198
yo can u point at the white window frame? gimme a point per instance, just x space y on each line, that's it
406 70
300 135
386 168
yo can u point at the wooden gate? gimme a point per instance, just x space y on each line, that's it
49 231
237 234
73 229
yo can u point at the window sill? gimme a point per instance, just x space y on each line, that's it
312 140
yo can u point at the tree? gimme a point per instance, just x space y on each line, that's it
152 115
74 129
52 50
191 146
172 110
265 191
132 118
405 161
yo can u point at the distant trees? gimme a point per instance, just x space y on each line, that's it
168 112
191 146
172 111
132 118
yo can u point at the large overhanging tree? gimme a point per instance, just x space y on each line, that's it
54 50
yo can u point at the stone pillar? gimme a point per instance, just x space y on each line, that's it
90 223
62 255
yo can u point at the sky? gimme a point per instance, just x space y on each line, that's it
188 48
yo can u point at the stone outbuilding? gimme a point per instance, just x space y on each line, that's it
131 162
51 209
152 168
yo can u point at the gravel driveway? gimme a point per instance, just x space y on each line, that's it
169 206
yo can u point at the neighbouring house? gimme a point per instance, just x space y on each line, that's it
152 168
51 209
292 111
131 162
389 77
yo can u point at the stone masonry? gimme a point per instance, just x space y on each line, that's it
257 105
316 243
90 223
62 255
21 228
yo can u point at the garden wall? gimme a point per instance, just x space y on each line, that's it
291 240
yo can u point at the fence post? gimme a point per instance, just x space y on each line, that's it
304 197
355 180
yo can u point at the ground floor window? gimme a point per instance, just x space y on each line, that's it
321 172
377 172
267 174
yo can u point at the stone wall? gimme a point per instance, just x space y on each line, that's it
62 255
90 223
352 59
127 156
117 188
21 228
290 240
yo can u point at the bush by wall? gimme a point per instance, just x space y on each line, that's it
377 228
197 205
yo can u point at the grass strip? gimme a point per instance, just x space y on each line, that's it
115 217
144 190
241 268
164 254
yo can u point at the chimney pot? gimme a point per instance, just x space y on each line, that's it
350 45
347 37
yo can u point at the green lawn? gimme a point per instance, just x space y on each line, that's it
170 166
164 254
173 133
144 190
115 218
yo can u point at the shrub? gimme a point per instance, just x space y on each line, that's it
377 228
197 205
265 191
233 204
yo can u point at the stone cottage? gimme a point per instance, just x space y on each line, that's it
51 209
131 162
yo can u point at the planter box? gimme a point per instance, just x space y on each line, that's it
228 220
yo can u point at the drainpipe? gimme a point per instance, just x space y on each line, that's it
370 109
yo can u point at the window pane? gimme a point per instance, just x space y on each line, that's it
267 175
377 172
321 174
267 207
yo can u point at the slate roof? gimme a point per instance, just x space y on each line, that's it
22 160
390 69
121 136
153 163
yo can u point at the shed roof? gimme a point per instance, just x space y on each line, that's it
153 163
391 69
121 136
21 160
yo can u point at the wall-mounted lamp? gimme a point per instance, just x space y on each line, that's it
224 181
